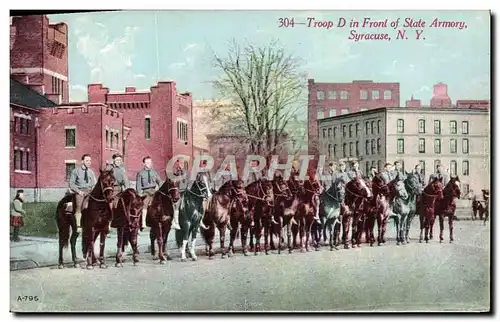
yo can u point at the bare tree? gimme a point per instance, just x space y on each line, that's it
266 87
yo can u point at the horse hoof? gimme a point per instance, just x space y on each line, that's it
61 266
118 265
317 249
289 251
245 253
210 257
169 258
90 267
162 262
380 244
155 258
346 246
441 241
451 241
76 265
194 258
420 241
398 243
426 241
182 260
103 266
136 263
371 244
403 243
223 256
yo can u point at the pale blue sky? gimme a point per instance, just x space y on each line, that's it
119 49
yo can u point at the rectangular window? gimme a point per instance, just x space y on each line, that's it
453 168
69 168
375 95
335 150
367 130
70 138
334 132
436 163
329 150
373 127
401 126
320 115
401 146
465 146
421 126
465 168
379 165
378 146
367 167
351 149
350 130
147 128
28 161
363 94
465 189
421 145
367 147
357 148
324 133
344 111
23 126
378 126
344 148
17 159
320 95
344 95
422 166
332 95
117 136
465 127
330 132
344 130
437 146
387 95
107 138
453 146
357 129
453 127
437 127
332 112
373 146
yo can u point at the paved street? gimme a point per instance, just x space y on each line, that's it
418 277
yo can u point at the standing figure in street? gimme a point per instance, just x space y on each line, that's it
387 173
147 181
355 172
81 182
16 214
373 173
398 171
440 173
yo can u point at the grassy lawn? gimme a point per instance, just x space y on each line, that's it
40 219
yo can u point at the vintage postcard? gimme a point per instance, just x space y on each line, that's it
238 161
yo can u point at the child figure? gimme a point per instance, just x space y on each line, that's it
16 214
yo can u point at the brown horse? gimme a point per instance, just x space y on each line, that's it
218 214
431 193
97 216
160 215
65 220
239 217
307 210
377 210
127 221
356 193
286 204
260 204
447 206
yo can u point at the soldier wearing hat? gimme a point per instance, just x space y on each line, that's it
120 175
147 181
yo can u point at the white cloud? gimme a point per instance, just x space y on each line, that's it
78 93
109 58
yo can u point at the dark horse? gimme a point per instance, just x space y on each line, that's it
65 220
190 214
238 214
97 216
159 217
356 193
260 205
378 210
447 206
286 204
486 197
230 197
414 190
329 214
127 221
431 193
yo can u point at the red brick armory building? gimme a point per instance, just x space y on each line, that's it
49 135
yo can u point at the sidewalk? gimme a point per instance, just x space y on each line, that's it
36 252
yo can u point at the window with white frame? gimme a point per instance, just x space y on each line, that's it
344 111
465 146
363 94
344 95
375 94
320 115
465 168
332 112
320 95
332 95
401 146
387 95
421 145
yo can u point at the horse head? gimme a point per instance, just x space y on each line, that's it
412 184
171 188
486 194
203 185
107 181
435 188
137 202
267 188
452 189
400 190
358 187
281 188
379 186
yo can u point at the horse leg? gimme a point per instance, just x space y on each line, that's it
73 239
257 234
422 227
289 235
280 235
119 245
61 246
359 230
232 237
267 233
450 223
441 227
192 248
379 228
354 230
159 240
432 219
102 244
90 248
166 231
152 239
398 234
244 232
329 224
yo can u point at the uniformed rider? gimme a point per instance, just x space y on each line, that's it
147 182
386 173
355 172
398 172
440 173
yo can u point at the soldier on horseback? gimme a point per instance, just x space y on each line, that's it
81 182
440 173
355 172
120 175
341 177
373 173
386 173
330 171
146 181
222 179
420 176
398 172
211 186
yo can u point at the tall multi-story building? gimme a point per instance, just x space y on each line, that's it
458 138
332 99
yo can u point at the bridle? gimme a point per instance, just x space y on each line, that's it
102 192
201 190
264 195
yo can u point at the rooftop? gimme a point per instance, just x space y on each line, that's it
21 94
